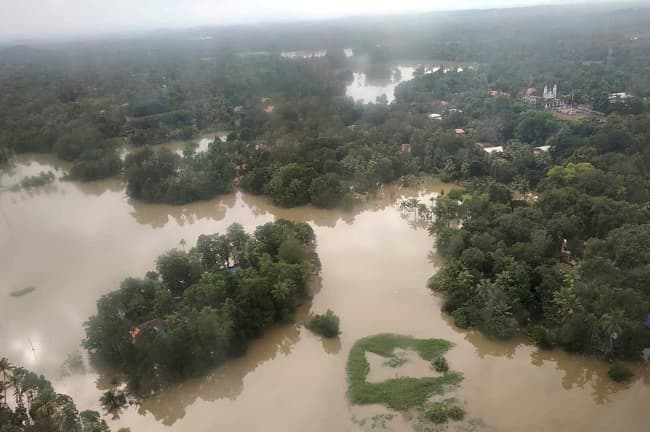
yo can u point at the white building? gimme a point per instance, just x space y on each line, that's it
550 94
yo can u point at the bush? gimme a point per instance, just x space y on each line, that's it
460 318
438 413
619 373
456 413
326 325
440 364
542 337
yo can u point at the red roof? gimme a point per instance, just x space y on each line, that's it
269 109
459 131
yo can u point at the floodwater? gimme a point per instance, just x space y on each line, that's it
364 90
74 242
303 54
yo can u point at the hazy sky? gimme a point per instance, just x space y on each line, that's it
33 18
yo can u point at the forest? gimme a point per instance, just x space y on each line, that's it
202 306
568 261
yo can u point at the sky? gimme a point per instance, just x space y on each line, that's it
44 18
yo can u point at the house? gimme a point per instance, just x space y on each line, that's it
406 148
541 149
157 324
619 97
435 116
495 149
490 148
239 108
529 99
265 99
459 131
269 109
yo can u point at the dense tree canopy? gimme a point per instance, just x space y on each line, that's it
28 403
569 261
202 306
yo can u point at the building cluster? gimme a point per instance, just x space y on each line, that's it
549 98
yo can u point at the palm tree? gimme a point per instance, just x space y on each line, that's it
566 302
183 243
5 369
113 400
612 324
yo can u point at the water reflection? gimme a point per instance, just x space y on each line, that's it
331 345
226 382
159 215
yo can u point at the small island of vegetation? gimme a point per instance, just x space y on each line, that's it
404 392
326 325
202 306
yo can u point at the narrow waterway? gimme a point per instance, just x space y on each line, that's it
74 242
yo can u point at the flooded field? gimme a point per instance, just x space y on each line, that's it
363 89
74 242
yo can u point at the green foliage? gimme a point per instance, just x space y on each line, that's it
542 337
619 373
507 264
437 413
441 412
440 364
37 407
202 306
326 325
163 176
290 185
399 393
326 191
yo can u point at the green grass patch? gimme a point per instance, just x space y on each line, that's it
398 393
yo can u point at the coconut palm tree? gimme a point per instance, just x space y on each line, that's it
5 370
566 302
612 324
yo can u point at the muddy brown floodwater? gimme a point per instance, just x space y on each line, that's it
74 242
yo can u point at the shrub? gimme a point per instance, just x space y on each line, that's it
326 325
460 318
456 413
542 337
440 364
619 373
438 413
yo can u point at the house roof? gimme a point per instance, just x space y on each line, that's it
495 149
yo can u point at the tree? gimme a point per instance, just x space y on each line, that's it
326 325
326 191
178 271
